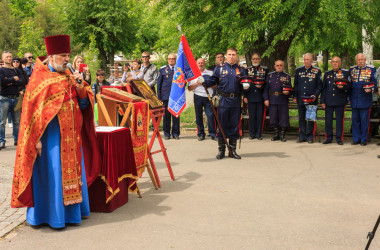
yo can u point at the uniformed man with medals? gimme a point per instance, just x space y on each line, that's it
254 97
164 86
334 97
226 77
363 79
276 95
307 83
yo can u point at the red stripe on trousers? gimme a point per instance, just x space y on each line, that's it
369 122
264 116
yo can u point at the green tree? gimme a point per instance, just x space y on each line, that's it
268 27
46 21
31 39
10 30
22 8
110 21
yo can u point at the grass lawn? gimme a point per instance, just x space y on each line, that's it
188 119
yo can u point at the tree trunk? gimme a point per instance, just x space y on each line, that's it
280 53
367 49
111 57
291 65
346 58
103 58
325 54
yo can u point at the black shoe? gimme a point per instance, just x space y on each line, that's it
2 145
177 137
15 143
233 149
378 156
301 140
355 143
201 138
310 141
283 133
326 142
167 137
259 138
363 144
276 136
221 149
213 138
339 143
252 137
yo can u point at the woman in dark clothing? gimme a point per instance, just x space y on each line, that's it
16 63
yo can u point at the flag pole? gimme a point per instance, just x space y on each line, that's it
179 28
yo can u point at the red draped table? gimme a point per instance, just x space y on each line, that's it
118 174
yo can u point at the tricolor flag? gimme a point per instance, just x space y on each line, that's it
186 69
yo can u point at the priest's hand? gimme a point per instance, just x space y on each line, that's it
79 76
39 147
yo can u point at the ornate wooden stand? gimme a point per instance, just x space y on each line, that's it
158 113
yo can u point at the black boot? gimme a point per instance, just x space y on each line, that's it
283 132
222 149
276 136
233 149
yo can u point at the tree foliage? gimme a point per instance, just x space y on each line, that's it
10 30
22 8
31 39
110 21
269 27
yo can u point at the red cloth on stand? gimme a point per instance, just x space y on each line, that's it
118 171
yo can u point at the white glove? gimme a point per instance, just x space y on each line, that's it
201 79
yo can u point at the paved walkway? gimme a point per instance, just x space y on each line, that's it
9 217
278 196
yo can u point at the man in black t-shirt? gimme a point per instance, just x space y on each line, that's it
12 82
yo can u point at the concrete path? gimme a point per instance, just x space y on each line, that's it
9 217
279 196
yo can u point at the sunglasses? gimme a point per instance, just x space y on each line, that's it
16 61
145 56
7 51
30 57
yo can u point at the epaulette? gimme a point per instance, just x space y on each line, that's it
315 67
371 66
271 72
285 73
300 67
163 67
344 70
353 66
264 67
218 66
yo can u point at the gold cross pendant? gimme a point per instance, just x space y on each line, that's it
71 103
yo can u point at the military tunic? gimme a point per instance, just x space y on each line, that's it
164 85
254 95
226 78
335 99
361 102
278 102
307 82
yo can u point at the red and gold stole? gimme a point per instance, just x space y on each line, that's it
140 134
46 96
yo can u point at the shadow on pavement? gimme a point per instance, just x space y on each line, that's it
135 207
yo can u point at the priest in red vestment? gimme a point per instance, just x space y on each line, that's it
57 154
